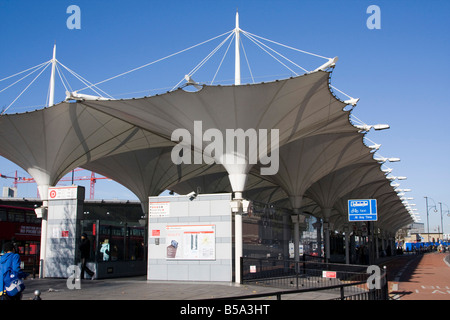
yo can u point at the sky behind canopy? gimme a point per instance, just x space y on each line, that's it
399 72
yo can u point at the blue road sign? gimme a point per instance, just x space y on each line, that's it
362 210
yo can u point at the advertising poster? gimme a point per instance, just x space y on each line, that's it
191 242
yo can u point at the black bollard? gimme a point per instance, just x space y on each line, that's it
37 295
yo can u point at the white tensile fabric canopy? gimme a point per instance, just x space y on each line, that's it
322 156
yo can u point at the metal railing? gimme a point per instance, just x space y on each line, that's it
340 294
339 281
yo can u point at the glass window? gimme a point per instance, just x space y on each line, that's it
31 218
120 242
117 243
16 216
263 231
135 248
104 245
3 216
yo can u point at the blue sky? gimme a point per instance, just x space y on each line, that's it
399 72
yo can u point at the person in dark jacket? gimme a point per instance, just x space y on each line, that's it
85 250
10 260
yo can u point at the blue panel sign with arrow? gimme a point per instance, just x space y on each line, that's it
362 210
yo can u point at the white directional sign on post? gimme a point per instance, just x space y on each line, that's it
362 210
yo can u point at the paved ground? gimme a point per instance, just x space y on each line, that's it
138 288
411 277
416 277
421 277
172 300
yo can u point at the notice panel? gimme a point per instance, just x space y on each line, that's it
191 242
362 210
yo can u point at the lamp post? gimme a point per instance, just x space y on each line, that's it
442 222
428 224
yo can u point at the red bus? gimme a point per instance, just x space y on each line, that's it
20 225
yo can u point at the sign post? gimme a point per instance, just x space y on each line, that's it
364 210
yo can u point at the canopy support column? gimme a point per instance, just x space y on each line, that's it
295 219
237 168
238 238
326 232
383 243
42 213
347 244
296 202
318 226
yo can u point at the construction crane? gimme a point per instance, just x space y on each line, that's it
92 178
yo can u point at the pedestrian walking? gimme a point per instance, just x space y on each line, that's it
11 276
85 250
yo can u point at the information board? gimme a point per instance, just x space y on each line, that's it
362 210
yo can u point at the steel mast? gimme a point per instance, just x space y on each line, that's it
237 66
51 99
